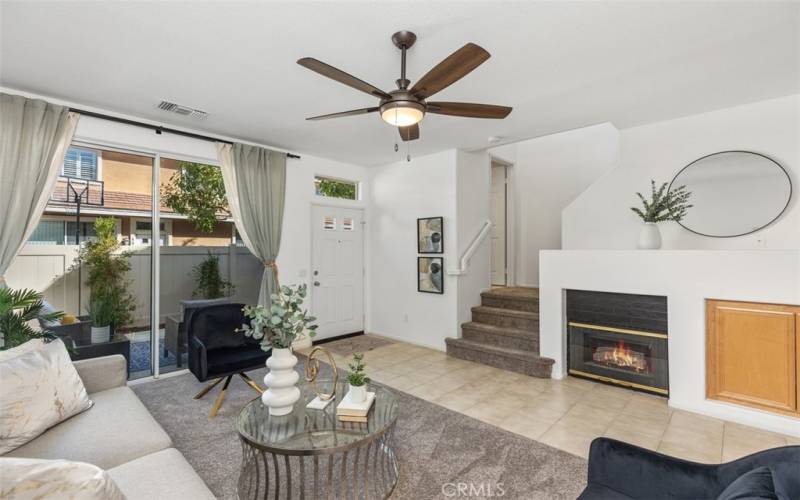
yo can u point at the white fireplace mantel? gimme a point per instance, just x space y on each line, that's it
686 278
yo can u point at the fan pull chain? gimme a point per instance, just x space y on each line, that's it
396 147
408 151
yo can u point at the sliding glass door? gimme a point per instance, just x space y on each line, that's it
130 244
202 261
91 255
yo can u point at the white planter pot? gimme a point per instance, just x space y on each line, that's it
101 334
649 237
357 394
281 393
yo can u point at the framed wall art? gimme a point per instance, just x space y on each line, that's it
430 274
430 235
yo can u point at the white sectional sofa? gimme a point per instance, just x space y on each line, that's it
119 435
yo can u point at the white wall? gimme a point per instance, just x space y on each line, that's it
548 173
473 190
401 193
601 218
686 278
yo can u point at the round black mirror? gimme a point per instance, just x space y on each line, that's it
734 193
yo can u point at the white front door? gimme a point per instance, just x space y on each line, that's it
498 215
337 270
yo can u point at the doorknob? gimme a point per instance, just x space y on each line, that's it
316 283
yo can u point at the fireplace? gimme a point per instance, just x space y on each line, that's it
619 339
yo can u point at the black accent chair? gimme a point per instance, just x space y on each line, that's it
622 471
175 326
218 352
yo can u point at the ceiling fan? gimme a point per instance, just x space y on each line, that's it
405 107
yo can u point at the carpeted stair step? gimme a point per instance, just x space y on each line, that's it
506 318
515 360
518 298
501 337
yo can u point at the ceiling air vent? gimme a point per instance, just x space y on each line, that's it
178 109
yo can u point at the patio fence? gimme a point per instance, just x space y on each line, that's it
49 269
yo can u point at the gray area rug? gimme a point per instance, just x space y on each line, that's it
359 343
436 447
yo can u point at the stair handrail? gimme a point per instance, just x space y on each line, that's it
472 248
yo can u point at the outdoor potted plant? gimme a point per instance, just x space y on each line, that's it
208 280
664 205
276 326
357 379
101 314
107 277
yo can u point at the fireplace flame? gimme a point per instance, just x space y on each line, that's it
621 356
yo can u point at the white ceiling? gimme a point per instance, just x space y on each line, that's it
561 65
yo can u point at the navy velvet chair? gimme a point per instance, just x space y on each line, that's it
622 471
217 351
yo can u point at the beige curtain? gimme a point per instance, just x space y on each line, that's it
255 183
34 136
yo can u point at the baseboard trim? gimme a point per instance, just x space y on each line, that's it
338 337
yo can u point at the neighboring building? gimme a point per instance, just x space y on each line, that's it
118 185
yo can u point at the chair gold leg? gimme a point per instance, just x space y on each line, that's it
251 383
207 388
220 397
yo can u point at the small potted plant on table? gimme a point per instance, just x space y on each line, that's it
276 327
357 379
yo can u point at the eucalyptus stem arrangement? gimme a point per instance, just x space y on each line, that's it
278 325
664 204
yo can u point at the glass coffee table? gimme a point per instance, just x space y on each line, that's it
311 454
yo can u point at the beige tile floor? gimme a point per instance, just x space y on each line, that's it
567 414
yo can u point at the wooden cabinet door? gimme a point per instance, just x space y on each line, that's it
752 354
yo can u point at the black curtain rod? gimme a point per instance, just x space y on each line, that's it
158 128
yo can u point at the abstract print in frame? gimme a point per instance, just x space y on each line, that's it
430 235
430 274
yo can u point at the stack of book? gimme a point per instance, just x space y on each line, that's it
349 411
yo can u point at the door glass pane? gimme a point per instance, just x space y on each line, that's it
85 231
201 257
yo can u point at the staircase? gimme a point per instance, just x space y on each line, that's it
504 333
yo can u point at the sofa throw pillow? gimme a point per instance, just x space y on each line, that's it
754 485
40 389
14 352
30 479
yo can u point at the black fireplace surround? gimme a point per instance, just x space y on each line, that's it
618 339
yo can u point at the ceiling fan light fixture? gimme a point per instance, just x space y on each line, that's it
402 113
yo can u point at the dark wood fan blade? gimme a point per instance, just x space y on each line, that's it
341 77
409 133
468 109
455 67
352 112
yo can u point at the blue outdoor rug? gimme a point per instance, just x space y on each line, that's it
140 356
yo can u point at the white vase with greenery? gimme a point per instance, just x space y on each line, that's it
277 326
664 205
357 379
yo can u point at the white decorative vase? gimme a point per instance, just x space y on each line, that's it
101 334
281 393
357 394
649 237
